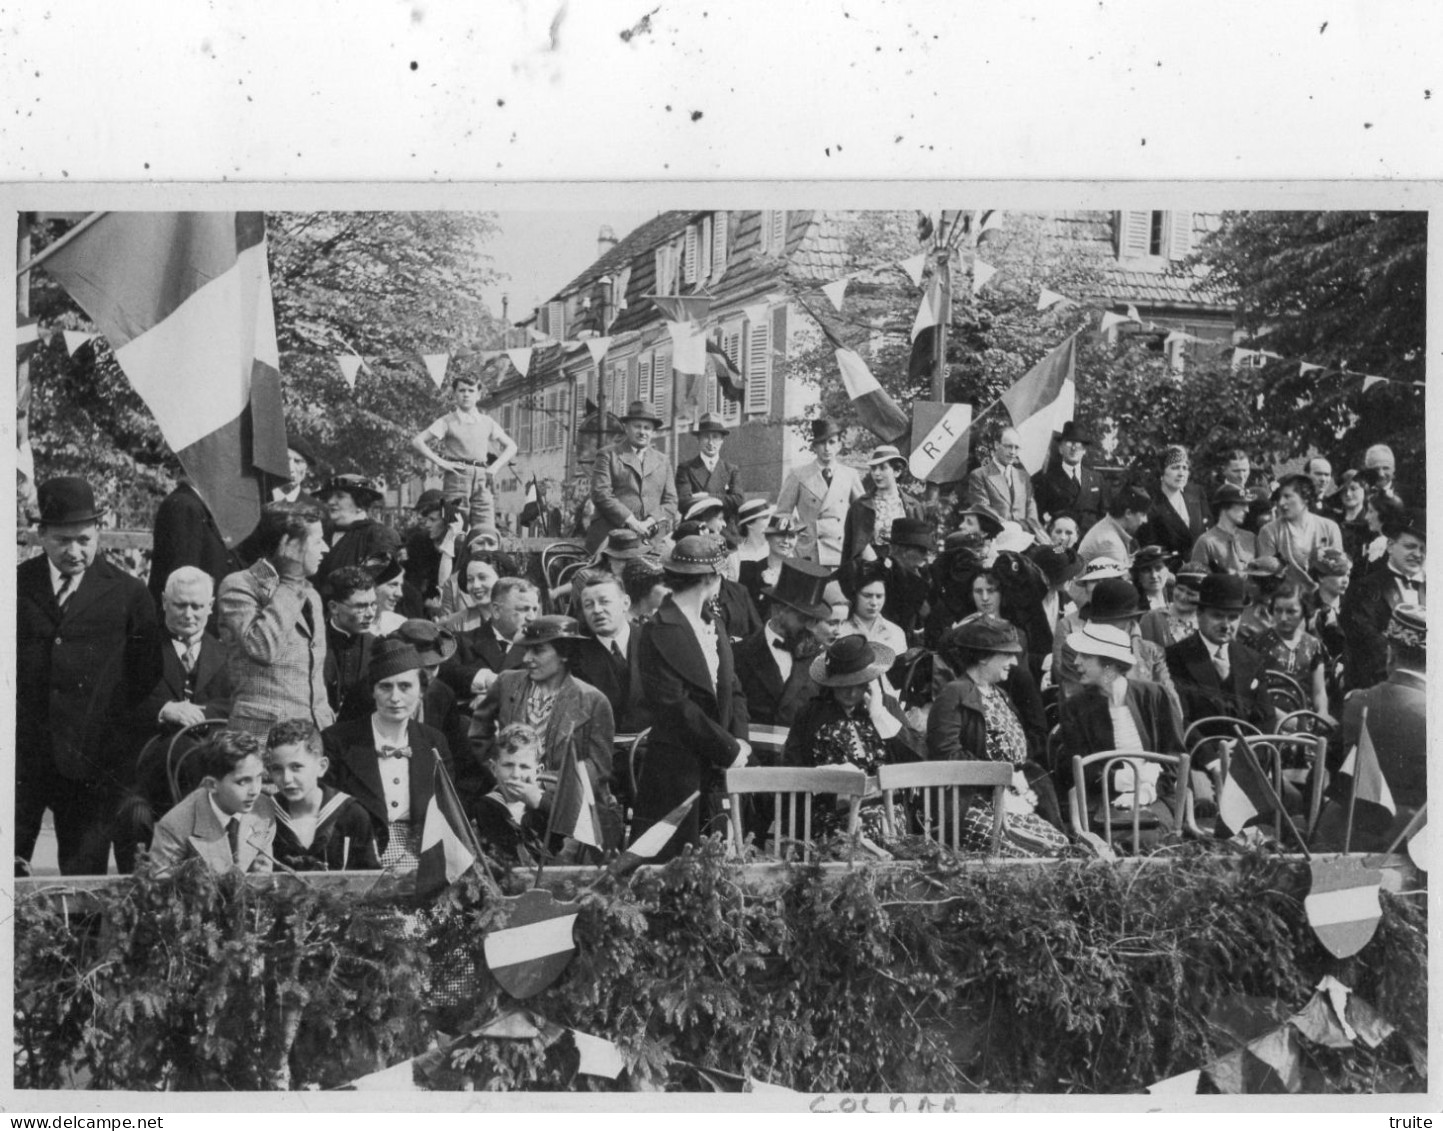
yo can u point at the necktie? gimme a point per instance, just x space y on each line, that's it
1220 661
232 833
782 646
617 652
192 653
394 752
827 476
1011 494
67 586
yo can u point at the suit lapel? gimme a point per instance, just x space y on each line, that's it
364 763
680 644
209 663
94 584
173 671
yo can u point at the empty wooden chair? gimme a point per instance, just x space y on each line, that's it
792 791
1137 817
943 802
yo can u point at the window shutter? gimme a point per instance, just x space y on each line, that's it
758 369
704 250
1132 235
661 381
718 245
523 428
1179 235
690 254
777 232
644 385
661 254
556 319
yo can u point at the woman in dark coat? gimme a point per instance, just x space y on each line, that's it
870 518
1178 515
699 713
973 720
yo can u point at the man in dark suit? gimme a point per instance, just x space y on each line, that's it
607 659
185 534
86 653
490 647
1068 484
1369 603
707 473
1213 673
350 612
773 664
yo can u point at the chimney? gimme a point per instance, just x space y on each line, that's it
605 240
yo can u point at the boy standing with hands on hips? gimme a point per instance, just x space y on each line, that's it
466 435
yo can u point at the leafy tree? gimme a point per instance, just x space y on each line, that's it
389 285
1337 289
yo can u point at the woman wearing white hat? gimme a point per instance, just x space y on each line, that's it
1115 712
752 519
868 531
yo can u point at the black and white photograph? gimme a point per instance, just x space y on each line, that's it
690 644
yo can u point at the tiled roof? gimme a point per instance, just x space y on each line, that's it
1152 281
638 240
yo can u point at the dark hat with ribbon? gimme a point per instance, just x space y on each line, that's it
302 449
696 554
987 518
641 410
623 544
67 501
1071 433
430 500
1229 495
800 585
850 661
913 532
1408 626
1329 561
549 629
1150 556
1113 600
383 567
780 523
391 658
823 429
1058 566
711 422
362 491
1225 592
983 633
434 644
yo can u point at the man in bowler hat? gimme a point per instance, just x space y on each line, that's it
87 651
707 473
631 482
1213 673
1067 484
820 493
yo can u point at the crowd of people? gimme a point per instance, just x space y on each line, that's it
328 670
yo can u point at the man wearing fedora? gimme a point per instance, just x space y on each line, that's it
356 536
820 493
1369 603
706 473
87 651
1002 484
632 483
908 578
772 663
1067 484
1213 672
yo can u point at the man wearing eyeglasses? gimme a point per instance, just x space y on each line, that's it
351 609
1002 484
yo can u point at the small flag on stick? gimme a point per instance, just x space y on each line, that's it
651 842
1049 298
448 846
1243 797
573 808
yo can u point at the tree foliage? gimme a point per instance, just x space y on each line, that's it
1342 290
387 285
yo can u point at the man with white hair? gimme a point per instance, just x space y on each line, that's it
1379 459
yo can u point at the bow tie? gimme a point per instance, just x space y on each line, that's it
394 752
782 646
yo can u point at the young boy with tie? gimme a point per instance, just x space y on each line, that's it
226 820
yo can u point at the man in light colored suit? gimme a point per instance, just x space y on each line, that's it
632 484
275 626
821 493
1002 484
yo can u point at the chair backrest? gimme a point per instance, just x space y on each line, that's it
1213 726
631 749
940 785
795 786
1109 760
767 742
178 775
558 556
1284 692
1308 753
1309 721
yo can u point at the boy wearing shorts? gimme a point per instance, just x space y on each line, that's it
466 435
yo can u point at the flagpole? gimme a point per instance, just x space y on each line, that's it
944 314
46 253
1409 829
1267 784
568 762
1353 792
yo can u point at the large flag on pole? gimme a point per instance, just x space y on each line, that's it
184 299
1042 402
877 410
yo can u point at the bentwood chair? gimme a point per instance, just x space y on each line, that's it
941 787
1306 721
1160 819
1284 692
792 791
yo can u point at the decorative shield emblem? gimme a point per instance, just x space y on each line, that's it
939 440
536 946
1342 906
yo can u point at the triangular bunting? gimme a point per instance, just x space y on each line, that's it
1368 380
756 311
598 348
436 366
74 339
688 347
836 292
761 1087
599 1057
1226 1073
1109 320
538 337
915 267
1242 355
927 312
398 1078
683 308
350 364
1184 1084
1050 298
1420 848
513 1025
521 358
1132 314
1306 367
1279 1051
981 273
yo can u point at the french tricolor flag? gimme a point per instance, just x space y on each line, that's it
184 299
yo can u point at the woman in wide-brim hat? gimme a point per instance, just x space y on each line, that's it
850 722
1151 572
868 529
387 760
752 518
1177 620
573 719
1113 710
973 719
781 534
